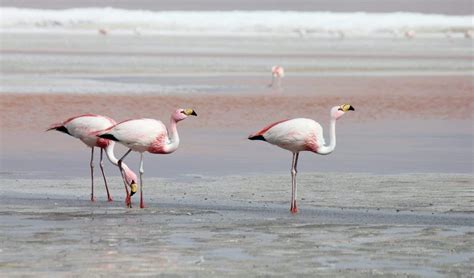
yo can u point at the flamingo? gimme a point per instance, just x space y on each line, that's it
147 135
301 134
410 34
277 73
83 127
103 31
469 34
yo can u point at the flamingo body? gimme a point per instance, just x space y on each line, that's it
83 127
140 135
277 74
278 71
294 135
299 135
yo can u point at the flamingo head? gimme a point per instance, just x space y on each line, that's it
182 114
338 111
131 179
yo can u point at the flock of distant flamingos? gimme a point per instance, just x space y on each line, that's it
150 135
408 34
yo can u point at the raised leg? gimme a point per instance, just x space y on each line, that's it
103 175
92 174
128 202
294 208
141 181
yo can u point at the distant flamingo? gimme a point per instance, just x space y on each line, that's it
410 34
469 34
298 135
103 31
277 74
147 135
83 127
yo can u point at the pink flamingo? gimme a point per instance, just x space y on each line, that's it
410 34
84 127
103 31
277 74
147 135
298 135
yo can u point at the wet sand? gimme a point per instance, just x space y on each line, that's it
349 225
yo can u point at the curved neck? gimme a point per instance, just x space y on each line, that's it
329 148
173 137
109 151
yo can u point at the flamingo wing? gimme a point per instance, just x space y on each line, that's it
294 135
84 126
136 134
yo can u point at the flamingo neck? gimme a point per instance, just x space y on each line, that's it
329 148
173 137
109 151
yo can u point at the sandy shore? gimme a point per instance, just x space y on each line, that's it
348 225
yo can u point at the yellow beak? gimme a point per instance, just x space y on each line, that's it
189 112
347 107
133 189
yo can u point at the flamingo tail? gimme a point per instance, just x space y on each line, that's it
108 136
59 127
257 137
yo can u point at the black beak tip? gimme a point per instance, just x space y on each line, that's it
351 108
194 113
132 193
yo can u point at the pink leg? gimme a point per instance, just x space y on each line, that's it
142 205
103 175
294 208
128 201
92 175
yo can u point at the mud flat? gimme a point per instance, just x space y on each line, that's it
350 225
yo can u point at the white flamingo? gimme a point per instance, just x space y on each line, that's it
84 127
147 135
277 74
301 134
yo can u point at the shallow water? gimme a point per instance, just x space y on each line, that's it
50 228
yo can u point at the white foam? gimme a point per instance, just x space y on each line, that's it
83 20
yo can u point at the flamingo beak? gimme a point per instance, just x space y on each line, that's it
189 112
133 188
346 107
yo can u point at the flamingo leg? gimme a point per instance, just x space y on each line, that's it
294 164
92 174
128 202
103 175
141 181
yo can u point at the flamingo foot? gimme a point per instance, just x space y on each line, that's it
142 205
293 208
110 199
128 202
92 199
